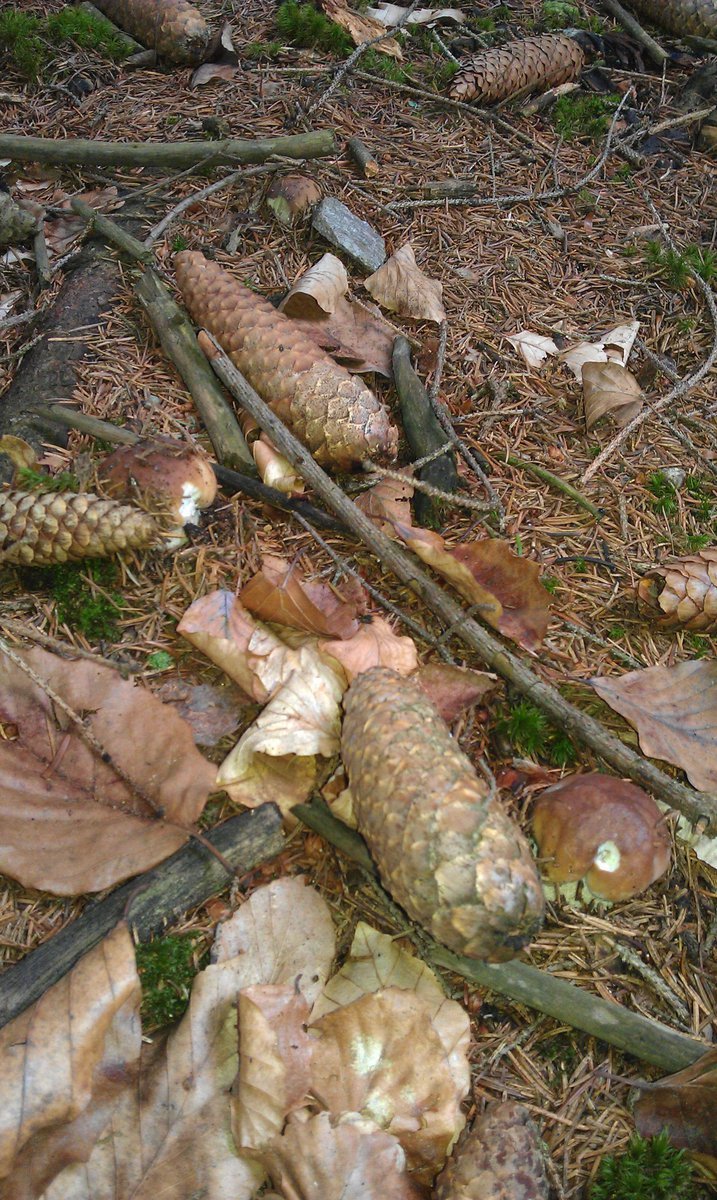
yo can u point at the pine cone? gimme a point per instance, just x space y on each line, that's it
336 416
698 17
174 28
37 528
498 1159
536 63
442 844
682 592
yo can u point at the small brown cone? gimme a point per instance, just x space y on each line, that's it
174 28
535 63
443 845
498 1159
696 17
682 593
332 412
37 528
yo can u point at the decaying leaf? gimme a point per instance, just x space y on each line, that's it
20 452
388 503
453 689
65 1062
70 823
290 196
375 645
674 710
280 592
685 1104
610 389
8 300
352 1159
401 286
318 292
390 15
211 712
61 231
614 346
498 1159
534 347
361 28
275 470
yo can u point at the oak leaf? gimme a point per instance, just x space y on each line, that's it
279 592
70 823
674 710
401 286
610 389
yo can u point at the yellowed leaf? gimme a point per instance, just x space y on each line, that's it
401 286
248 652
20 452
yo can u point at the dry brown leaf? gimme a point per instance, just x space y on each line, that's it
65 1061
614 346
454 689
390 15
211 712
248 652
401 287
674 710
60 232
70 824
365 1061
290 196
20 452
388 503
684 1104
375 645
274 1059
505 587
318 291
352 1160
533 347
279 592
361 28
611 389
210 71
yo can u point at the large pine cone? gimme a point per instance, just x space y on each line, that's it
498 1159
532 63
174 28
682 593
698 17
37 528
332 412
443 845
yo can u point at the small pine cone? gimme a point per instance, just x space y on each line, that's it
443 845
536 63
698 17
498 1159
682 593
174 28
332 412
37 528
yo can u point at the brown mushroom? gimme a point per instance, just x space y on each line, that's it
171 474
604 831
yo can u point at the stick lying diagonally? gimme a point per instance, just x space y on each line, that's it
694 805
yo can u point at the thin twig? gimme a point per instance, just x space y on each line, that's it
555 481
210 190
419 485
21 629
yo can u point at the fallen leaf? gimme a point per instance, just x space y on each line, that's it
65 1061
674 710
280 592
70 823
274 1059
211 712
391 14
361 28
8 301
216 70
533 346
400 286
320 1159
614 346
248 652
275 470
610 388
20 452
317 293
388 503
375 645
61 231
685 1105
454 689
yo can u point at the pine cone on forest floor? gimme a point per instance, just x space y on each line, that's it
38 528
499 1158
174 28
530 63
681 17
682 592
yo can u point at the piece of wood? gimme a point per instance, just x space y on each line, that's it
423 434
111 231
42 258
178 340
362 158
334 222
161 157
150 902
652 48
694 805
630 1032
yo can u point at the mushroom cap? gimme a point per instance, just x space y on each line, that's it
172 473
603 830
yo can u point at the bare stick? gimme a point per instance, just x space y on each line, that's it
362 158
203 194
555 481
694 805
110 231
42 258
652 48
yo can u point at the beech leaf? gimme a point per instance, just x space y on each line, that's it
610 389
70 823
318 292
388 503
684 1104
454 689
375 645
279 592
614 346
674 710
400 286
390 15
534 347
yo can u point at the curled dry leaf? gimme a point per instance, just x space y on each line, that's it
361 28
364 1060
290 196
454 689
318 292
401 287
610 389
685 1104
375 645
65 1062
499 1158
274 470
674 710
614 346
70 823
390 15
353 1159
534 347
280 592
